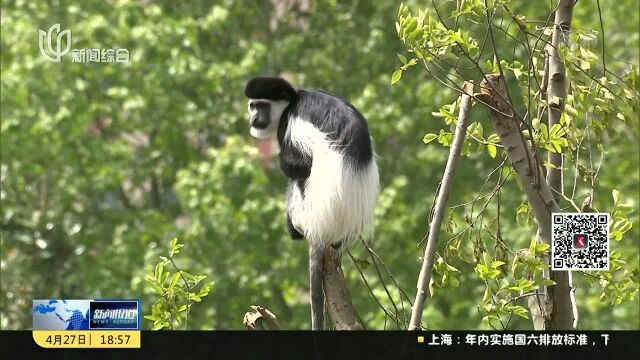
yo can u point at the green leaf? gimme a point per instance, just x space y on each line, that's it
554 130
532 247
158 271
175 247
415 33
622 225
616 196
517 73
519 311
396 76
547 282
521 20
174 281
487 295
452 269
493 138
487 319
411 25
157 288
497 264
205 290
403 59
525 285
486 260
476 129
429 138
542 247
493 150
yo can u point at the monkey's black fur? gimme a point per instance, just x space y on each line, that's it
271 88
345 127
295 234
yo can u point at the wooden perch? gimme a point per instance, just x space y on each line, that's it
260 318
337 295
440 207
551 309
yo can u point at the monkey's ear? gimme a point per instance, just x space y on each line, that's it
271 88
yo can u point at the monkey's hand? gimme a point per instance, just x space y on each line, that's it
294 163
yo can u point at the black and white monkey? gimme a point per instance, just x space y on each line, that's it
326 152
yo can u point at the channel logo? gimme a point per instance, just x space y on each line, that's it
114 314
86 314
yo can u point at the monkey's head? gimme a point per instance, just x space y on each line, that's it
268 98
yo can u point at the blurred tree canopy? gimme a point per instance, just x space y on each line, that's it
104 163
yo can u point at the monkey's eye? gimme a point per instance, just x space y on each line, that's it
252 106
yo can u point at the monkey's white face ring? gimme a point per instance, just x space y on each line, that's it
262 133
276 109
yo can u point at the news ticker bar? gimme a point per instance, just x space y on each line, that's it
289 344
87 338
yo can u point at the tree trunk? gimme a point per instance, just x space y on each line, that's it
557 88
565 313
552 303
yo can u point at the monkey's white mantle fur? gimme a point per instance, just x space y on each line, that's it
338 202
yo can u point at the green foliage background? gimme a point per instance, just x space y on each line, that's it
103 164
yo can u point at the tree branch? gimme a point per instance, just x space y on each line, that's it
337 295
440 207
260 318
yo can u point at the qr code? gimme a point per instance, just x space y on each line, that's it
580 241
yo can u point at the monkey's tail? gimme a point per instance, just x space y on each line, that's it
316 254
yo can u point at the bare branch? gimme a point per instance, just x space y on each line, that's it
364 279
386 290
604 62
440 208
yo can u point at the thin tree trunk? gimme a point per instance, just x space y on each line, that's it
557 88
565 312
440 207
552 303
